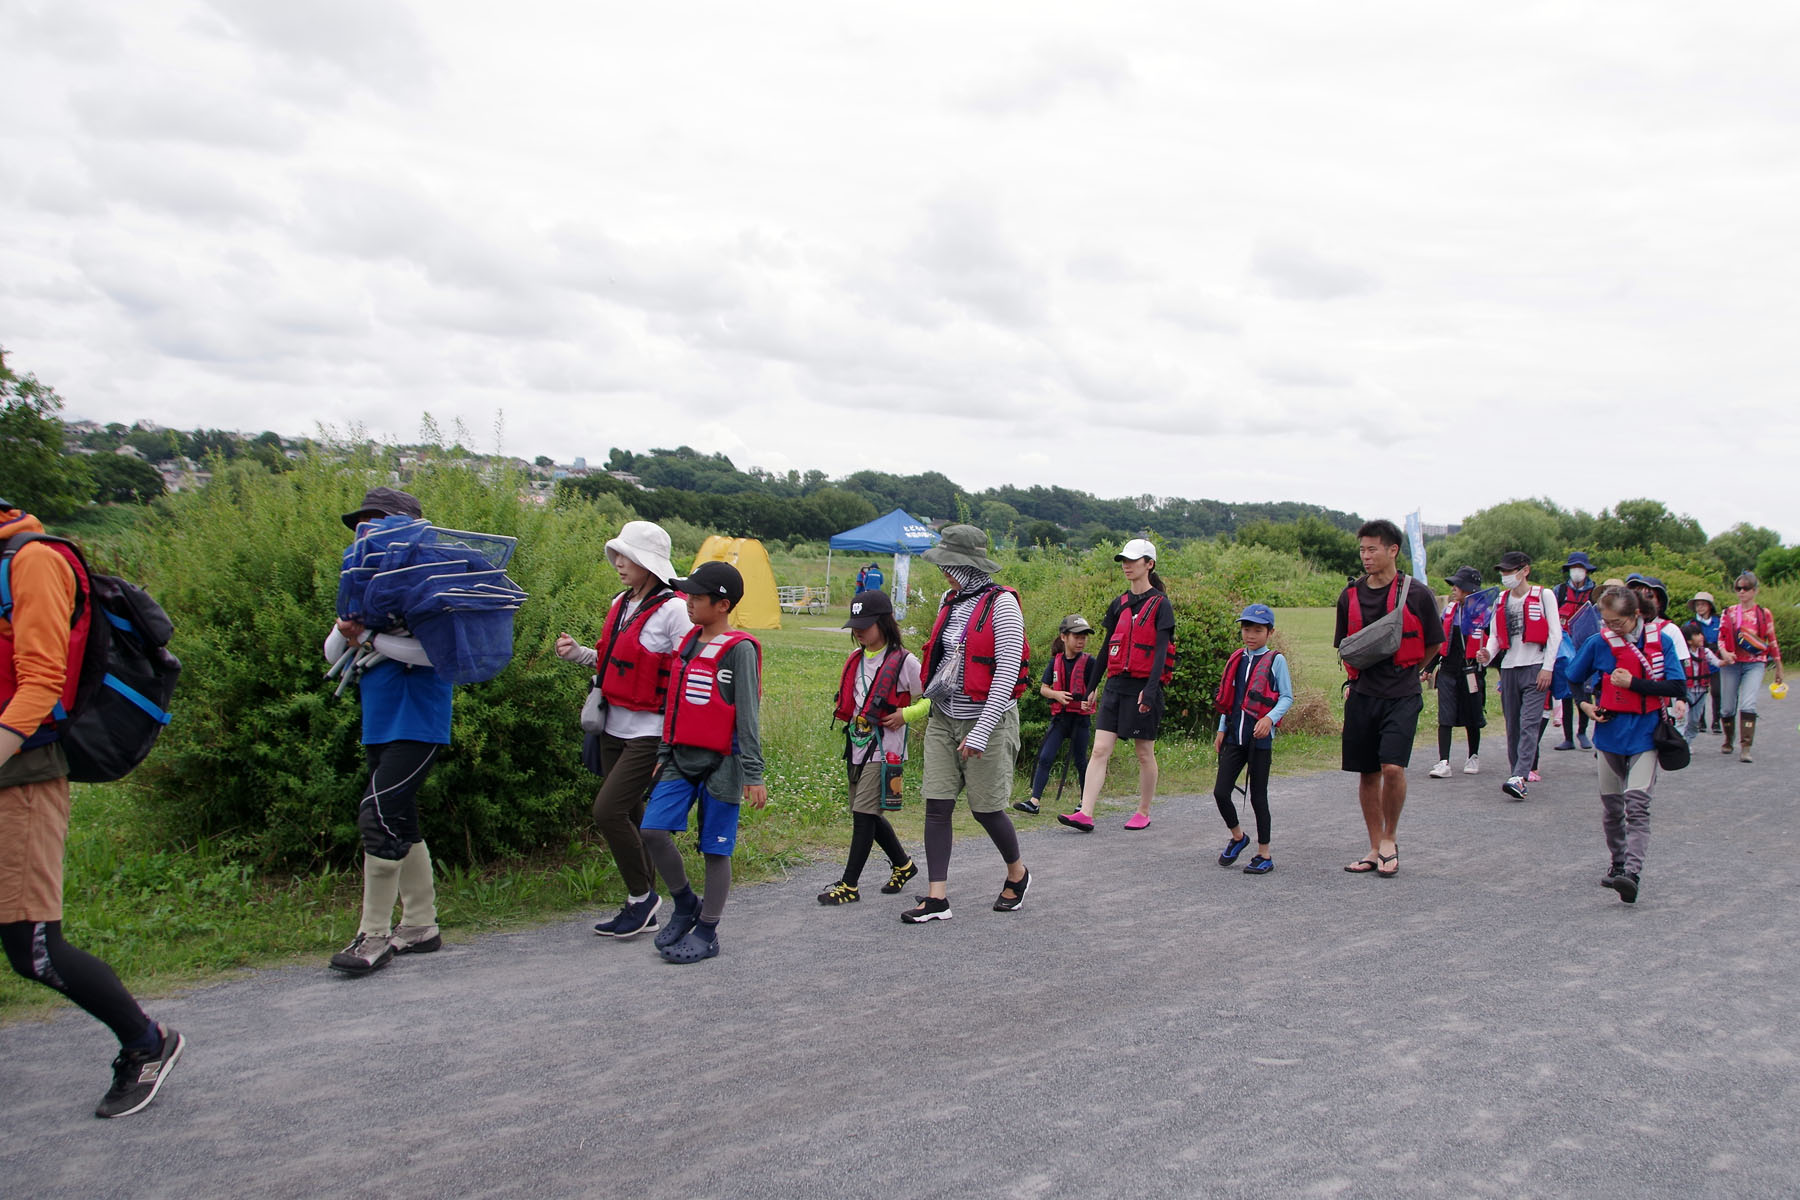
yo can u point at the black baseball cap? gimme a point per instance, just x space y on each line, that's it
720 580
1512 560
868 607
1466 578
384 502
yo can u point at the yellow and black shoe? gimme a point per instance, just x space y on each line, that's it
840 893
898 880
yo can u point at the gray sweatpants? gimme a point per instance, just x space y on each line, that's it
1625 783
1522 703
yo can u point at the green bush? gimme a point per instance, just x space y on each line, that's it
259 753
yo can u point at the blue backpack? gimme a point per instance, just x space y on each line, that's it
127 673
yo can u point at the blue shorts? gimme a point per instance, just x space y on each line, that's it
668 808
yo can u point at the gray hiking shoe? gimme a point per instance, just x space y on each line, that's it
366 952
138 1075
415 939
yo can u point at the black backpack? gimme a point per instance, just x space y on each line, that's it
127 673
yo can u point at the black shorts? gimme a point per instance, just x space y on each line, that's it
1380 732
1119 710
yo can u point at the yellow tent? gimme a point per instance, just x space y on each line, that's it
760 608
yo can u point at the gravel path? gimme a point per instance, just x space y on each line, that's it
1490 1023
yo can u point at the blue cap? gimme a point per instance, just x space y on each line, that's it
1258 614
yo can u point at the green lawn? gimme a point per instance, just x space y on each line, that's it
169 918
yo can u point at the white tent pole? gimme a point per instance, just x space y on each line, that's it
827 574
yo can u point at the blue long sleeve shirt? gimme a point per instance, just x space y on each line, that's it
1626 733
1237 726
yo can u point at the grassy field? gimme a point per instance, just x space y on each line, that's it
167 919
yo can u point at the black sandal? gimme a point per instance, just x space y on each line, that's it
1017 888
1389 858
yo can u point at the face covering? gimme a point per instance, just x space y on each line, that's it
1577 575
1509 582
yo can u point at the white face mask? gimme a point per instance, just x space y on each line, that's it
1509 582
1577 575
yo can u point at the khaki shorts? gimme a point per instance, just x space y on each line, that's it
988 779
34 823
865 785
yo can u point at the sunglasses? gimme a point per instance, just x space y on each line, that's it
1745 587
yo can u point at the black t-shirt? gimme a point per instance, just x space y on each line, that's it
1384 680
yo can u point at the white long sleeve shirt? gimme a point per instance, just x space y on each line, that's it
1522 653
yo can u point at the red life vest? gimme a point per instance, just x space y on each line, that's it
1759 628
1699 671
1645 663
1075 683
883 696
78 639
697 713
1471 641
978 646
1569 600
1260 694
1537 625
1132 647
630 675
1412 634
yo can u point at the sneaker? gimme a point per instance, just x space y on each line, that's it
139 1074
1626 884
693 947
1534 777
415 939
1473 766
1016 901
1259 865
1076 820
1565 744
840 893
897 880
633 919
1612 873
1233 848
930 909
1138 821
1441 770
1028 806
366 952
1514 787
681 922
1587 743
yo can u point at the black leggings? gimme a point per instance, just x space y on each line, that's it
1444 732
389 814
938 837
1232 758
866 830
37 951
1073 727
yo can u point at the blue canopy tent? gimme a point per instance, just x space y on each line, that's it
899 534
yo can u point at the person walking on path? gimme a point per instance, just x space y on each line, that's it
43 635
405 724
1069 681
1140 659
1748 648
1522 629
1640 674
1459 680
1702 674
632 660
1706 611
1381 711
1575 590
875 700
976 667
710 757
1255 692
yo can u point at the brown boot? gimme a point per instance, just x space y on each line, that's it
1730 733
1746 735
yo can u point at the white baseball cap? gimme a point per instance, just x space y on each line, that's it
1136 548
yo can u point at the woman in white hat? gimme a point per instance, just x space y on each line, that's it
1706 611
1140 656
631 660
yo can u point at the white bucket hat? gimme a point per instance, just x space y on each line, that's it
646 544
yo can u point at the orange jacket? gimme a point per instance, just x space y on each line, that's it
43 606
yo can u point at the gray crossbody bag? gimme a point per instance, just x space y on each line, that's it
1379 640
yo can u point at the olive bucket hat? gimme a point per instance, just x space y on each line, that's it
961 546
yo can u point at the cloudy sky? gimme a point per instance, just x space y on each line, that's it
1379 256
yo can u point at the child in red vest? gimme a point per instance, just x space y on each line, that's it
711 755
875 700
1070 680
1255 692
